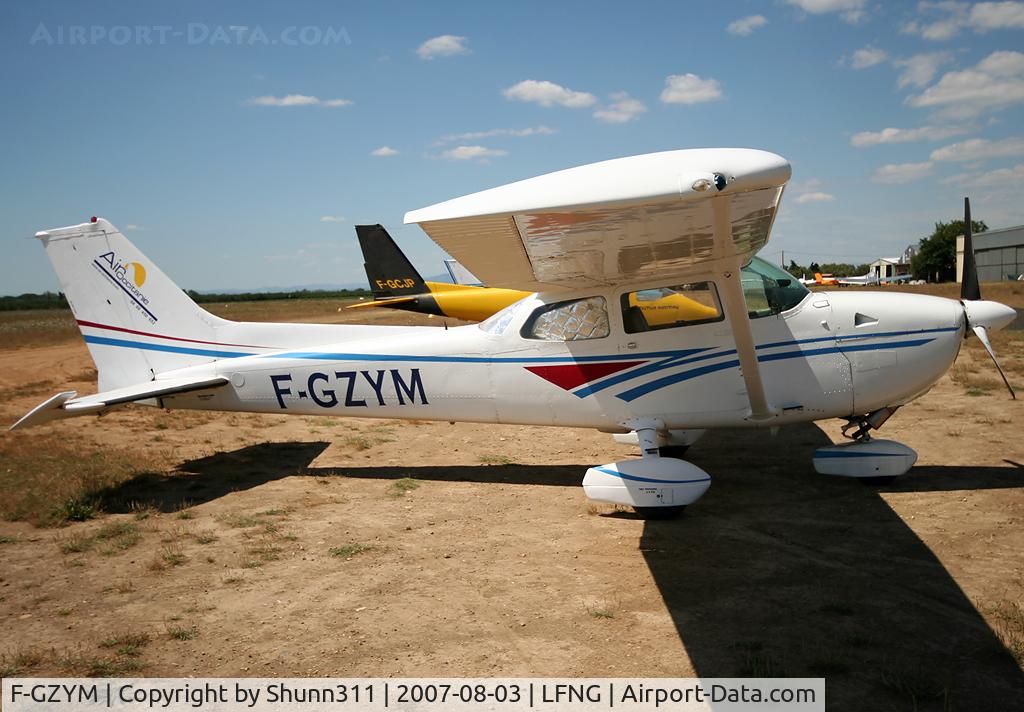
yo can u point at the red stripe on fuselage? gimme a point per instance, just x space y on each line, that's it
161 336
576 374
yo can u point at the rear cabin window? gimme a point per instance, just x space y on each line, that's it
578 320
669 307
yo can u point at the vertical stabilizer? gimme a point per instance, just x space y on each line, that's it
126 307
390 272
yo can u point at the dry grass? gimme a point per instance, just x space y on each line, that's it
1008 617
49 479
239 520
38 327
73 662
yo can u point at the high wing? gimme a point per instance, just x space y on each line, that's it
615 221
668 214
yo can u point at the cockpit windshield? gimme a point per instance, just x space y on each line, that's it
496 324
769 289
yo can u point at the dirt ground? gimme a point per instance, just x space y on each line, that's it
271 545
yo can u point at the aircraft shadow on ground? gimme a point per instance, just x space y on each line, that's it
780 571
777 571
208 478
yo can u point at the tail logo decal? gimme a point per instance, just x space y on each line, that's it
138 273
117 272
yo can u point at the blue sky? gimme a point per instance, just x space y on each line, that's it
242 158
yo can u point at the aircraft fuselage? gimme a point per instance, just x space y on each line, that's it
833 355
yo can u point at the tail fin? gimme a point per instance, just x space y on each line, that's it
390 272
461 275
135 320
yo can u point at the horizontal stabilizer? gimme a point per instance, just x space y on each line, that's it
66 405
383 302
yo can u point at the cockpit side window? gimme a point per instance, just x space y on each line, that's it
576 320
669 307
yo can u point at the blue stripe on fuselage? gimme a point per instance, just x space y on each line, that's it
644 389
106 341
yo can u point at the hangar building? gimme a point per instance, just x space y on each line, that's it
999 254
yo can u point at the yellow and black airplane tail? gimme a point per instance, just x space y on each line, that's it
394 282
390 272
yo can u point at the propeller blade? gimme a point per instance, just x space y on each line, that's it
969 288
982 333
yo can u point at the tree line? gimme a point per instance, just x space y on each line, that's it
935 260
836 269
56 300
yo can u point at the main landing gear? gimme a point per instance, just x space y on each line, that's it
872 462
655 486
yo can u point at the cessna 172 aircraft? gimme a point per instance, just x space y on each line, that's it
576 352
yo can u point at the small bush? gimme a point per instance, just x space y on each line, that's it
178 632
129 644
400 488
75 543
349 550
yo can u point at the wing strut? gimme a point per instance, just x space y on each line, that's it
736 311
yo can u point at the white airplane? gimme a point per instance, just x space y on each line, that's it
762 352
859 281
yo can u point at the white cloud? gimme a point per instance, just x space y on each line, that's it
868 57
902 172
477 135
851 11
745 26
623 108
295 100
997 16
979 149
920 69
1006 178
332 219
384 151
943 20
690 89
938 21
442 46
469 153
894 135
994 83
548 93
815 197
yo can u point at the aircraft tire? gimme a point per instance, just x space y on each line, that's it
673 450
877 481
659 513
